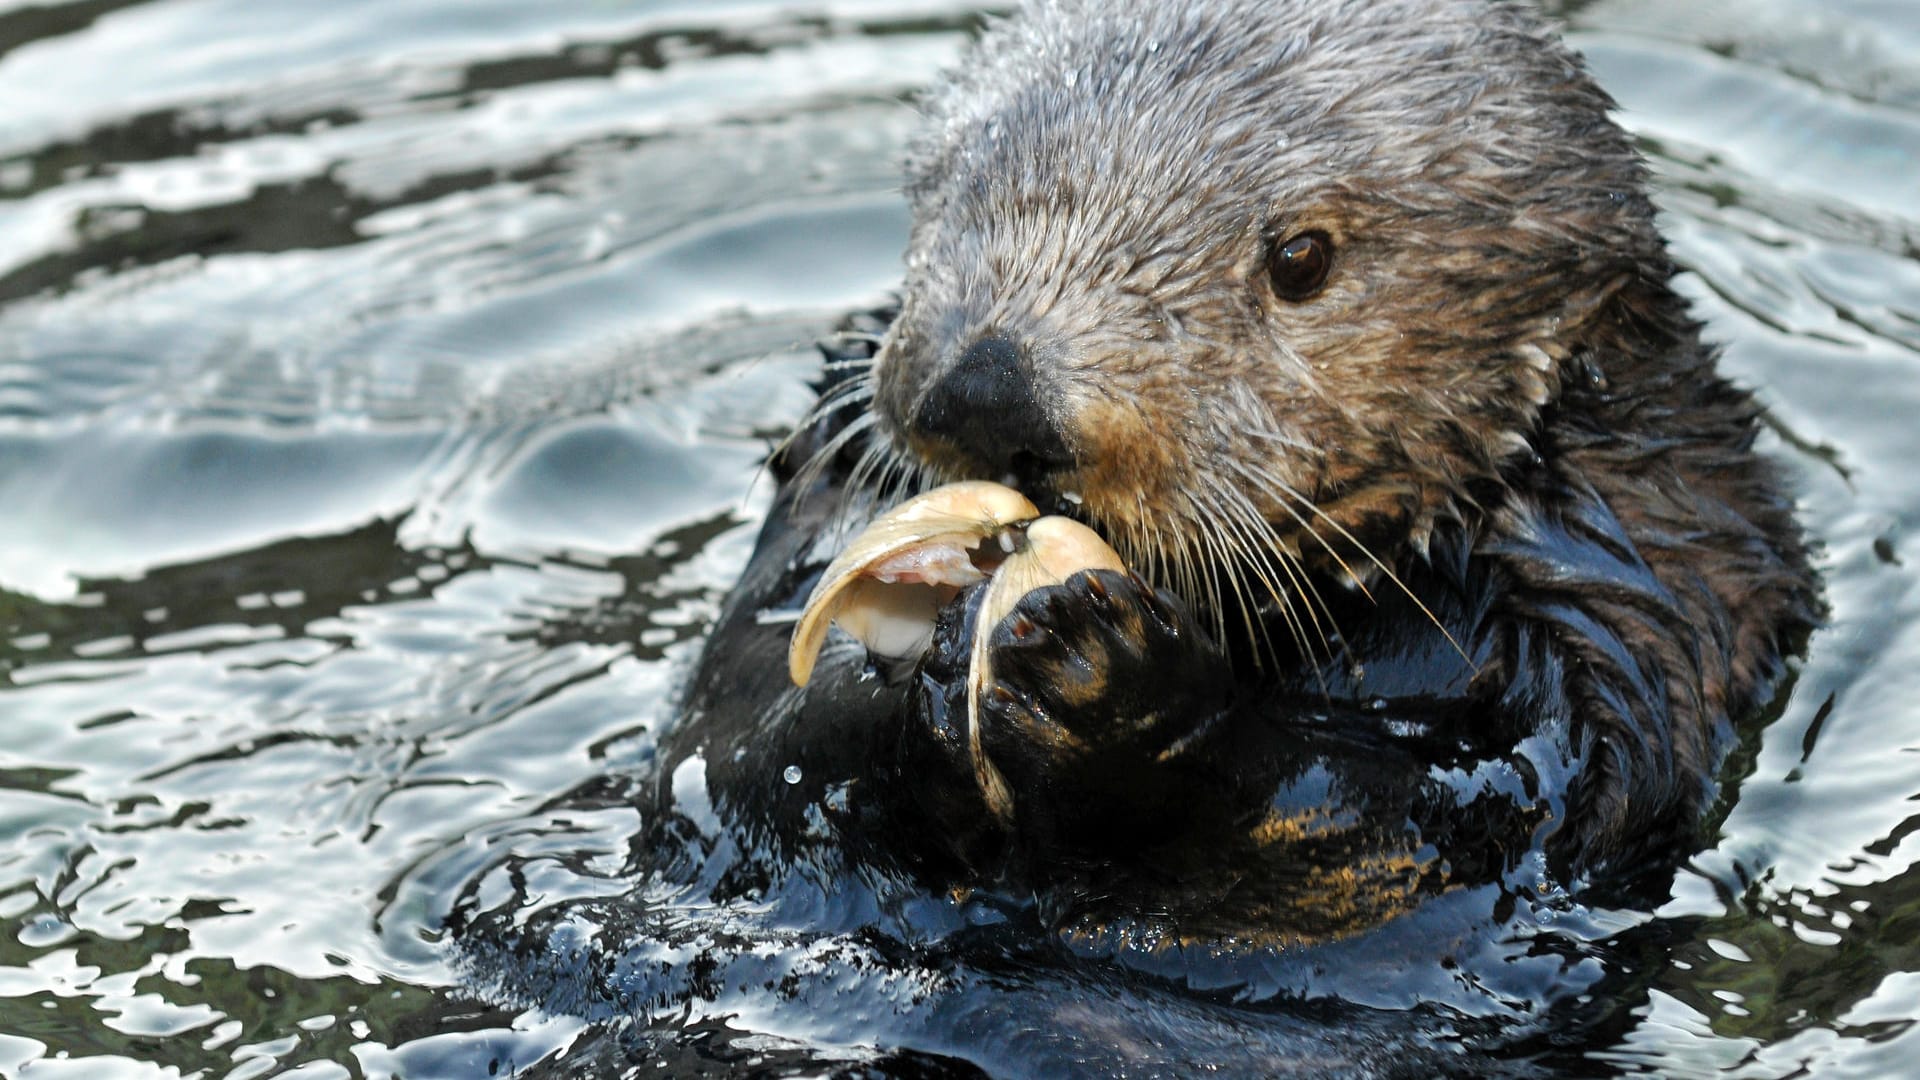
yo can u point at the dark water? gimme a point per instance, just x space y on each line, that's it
382 387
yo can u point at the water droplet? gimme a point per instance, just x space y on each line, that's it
792 774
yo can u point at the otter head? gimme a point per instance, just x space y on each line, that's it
1252 282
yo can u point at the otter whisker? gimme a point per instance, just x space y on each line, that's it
829 450
1230 555
895 471
1245 553
1146 553
1266 540
1301 574
1276 548
1288 441
885 476
839 396
1283 494
858 388
835 397
1264 551
1214 563
1378 563
1173 562
1160 562
1178 562
871 461
903 477
858 364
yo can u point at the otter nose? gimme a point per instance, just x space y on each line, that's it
984 407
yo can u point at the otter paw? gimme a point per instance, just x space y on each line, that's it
925 759
1100 690
1101 674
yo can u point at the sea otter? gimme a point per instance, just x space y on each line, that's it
1349 326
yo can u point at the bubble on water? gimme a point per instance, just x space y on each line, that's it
45 930
792 774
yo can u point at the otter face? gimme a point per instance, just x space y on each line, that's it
1251 283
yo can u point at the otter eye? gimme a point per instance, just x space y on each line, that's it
1299 265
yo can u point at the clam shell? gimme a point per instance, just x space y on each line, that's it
1054 549
923 544
890 582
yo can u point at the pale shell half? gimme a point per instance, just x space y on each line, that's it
878 588
1054 549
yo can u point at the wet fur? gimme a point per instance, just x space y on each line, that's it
1453 579
1498 354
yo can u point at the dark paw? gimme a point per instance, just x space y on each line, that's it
1101 695
1100 691
1100 668
925 759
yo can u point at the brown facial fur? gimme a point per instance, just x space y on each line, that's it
1099 184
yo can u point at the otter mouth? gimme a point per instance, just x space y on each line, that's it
1050 481
1040 481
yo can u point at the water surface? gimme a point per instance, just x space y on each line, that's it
382 391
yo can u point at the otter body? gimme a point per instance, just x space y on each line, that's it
1348 324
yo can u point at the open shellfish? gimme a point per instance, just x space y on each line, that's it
890 582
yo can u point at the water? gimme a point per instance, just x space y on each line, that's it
382 388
